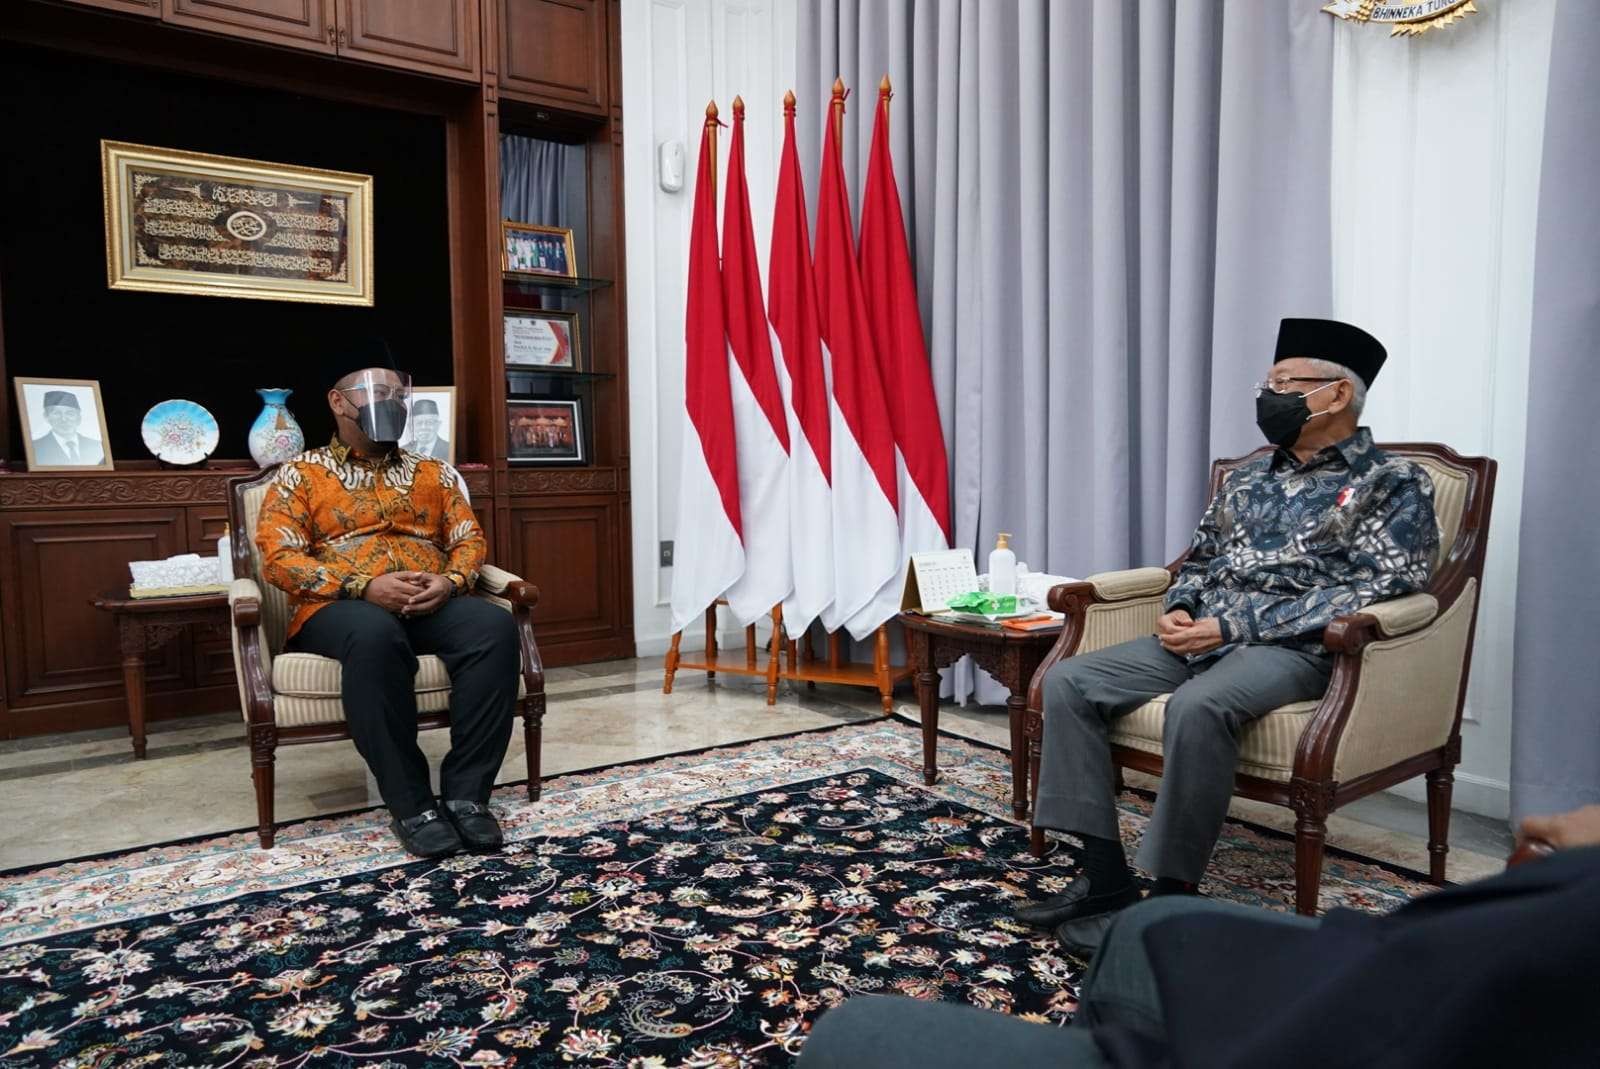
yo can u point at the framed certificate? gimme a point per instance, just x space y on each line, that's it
543 338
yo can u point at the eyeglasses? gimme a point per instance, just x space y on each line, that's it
1285 383
378 392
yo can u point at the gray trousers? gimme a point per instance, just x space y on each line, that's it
887 1032
1210 704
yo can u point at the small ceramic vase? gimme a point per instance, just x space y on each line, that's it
275 436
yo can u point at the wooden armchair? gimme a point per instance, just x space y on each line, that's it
294 697
1393 705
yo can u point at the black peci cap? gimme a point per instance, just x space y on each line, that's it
1328 339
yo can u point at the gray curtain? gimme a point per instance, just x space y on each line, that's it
1555 733
533 180
1111 204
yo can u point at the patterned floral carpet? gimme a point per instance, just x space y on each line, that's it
697 910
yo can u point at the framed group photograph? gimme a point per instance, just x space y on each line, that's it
545 432
63 424
543 338
430 423
527 249
194 223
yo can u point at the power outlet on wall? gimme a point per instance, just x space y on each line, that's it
666 554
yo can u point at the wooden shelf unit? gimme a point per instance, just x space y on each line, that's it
553 66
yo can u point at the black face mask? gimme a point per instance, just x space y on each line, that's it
382 421
1281 415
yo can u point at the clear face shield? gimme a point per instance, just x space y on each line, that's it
382 399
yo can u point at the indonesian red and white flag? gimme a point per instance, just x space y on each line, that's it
866 529
758 417
709 555
792 308
921 466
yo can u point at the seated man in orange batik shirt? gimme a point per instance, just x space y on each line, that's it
375 546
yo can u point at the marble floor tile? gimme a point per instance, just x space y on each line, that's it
72 795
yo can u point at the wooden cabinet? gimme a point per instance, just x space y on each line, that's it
431 36
555 52
434 36
568 547
59 648
150 8
304 24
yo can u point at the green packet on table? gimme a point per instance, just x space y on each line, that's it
983 602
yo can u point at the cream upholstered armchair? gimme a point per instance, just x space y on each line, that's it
294 697
1392 710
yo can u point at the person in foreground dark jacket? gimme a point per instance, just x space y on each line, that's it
1496 972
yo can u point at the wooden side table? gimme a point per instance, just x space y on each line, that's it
147 624
1010 656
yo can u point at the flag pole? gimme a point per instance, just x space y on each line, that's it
711 130
884 93
837 111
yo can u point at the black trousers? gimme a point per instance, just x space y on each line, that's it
476 640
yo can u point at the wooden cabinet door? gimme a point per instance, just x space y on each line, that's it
152 8
568 550
304 24
59 647
555 52
434 36
213 647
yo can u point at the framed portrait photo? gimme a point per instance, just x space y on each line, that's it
545 432
431 423
63 425
543 338
220 226
528 249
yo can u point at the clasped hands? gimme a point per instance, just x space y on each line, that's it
409 593
1181 633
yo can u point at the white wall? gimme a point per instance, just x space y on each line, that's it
1436 153
677 55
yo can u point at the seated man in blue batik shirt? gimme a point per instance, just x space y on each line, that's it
1322 526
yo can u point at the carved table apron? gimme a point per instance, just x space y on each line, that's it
1010 656
145 625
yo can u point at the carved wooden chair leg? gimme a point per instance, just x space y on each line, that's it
263 754
1441 781
672 662
1311 804
533 742
1036 842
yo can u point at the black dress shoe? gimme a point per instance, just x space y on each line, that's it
478 828
427 834
1075 901
1082 936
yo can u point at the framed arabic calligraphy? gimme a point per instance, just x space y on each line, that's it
188 222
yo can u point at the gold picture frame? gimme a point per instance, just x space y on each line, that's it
56 445
524 244
220 226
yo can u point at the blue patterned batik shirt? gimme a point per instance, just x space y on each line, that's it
1286 547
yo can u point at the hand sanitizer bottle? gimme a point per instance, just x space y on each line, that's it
225 557
1002 568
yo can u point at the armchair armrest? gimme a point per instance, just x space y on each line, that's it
1384 619
1130 583
244 603
503 584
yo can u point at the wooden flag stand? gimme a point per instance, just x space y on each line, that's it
797 664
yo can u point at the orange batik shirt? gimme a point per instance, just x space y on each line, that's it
332 521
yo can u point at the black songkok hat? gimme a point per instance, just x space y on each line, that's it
424 407
52 398
368 352
1328 339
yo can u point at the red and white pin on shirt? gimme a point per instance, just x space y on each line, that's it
1345 495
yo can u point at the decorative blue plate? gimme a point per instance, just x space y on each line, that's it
179 432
